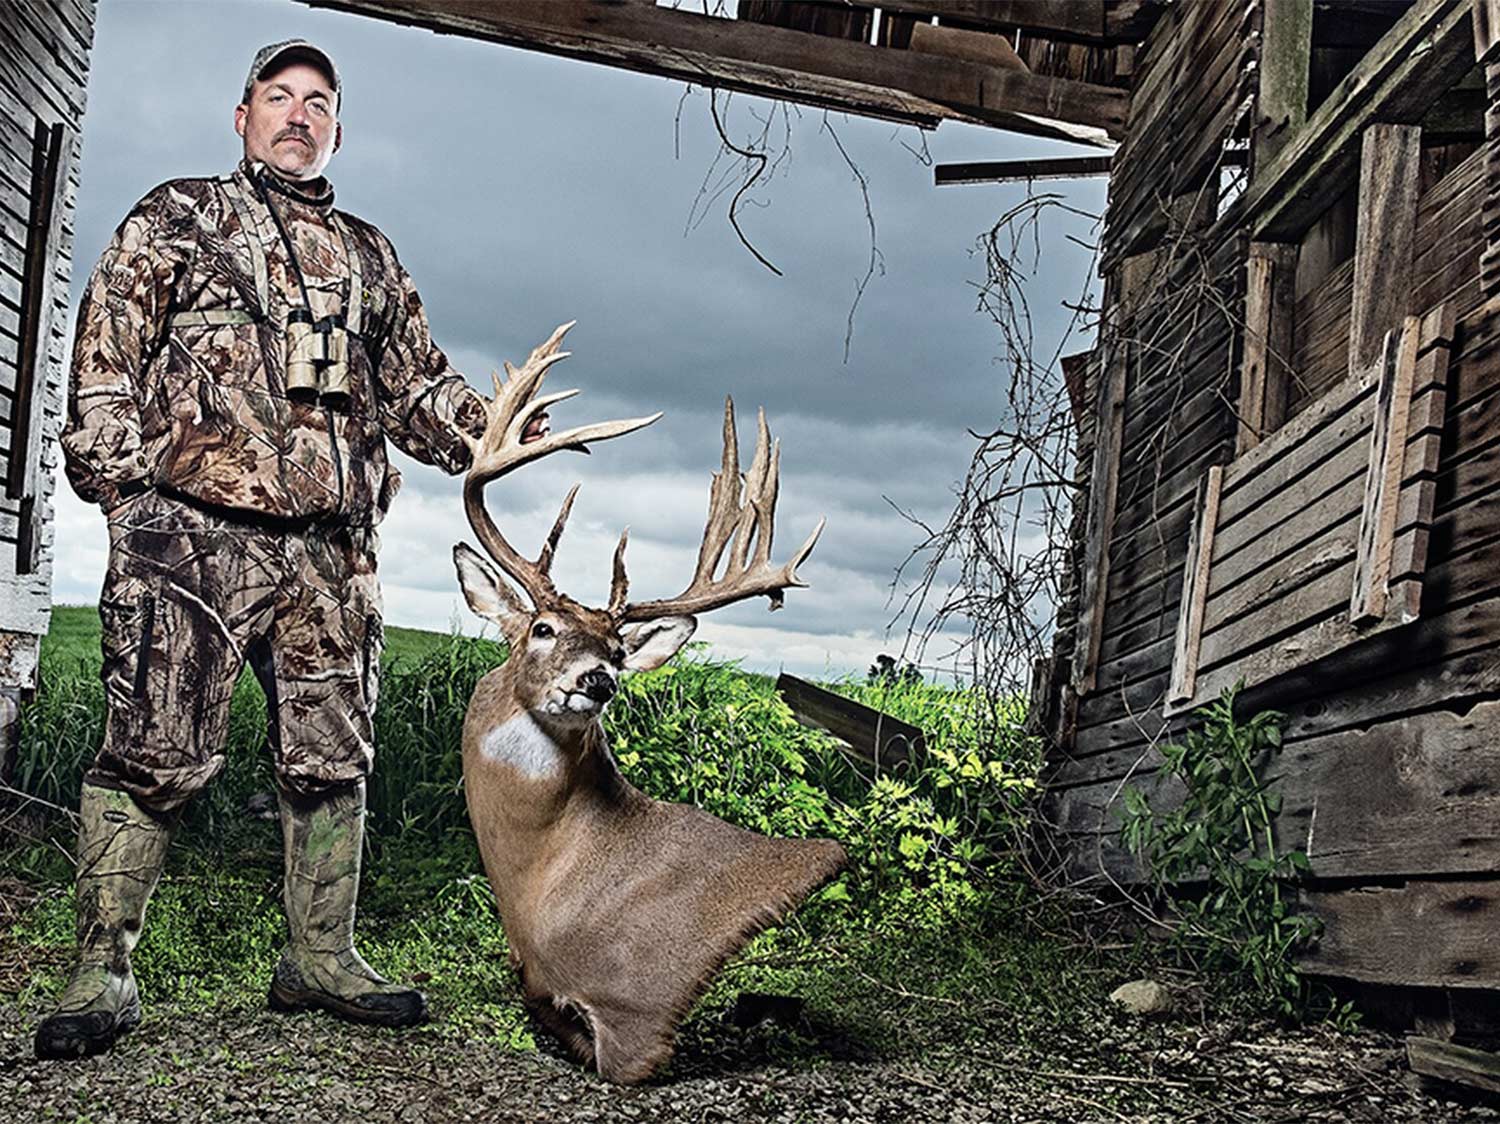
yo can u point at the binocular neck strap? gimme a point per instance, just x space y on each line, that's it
251 233
355 305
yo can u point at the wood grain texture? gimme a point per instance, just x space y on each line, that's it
1433 1057
1428 934
1195 591
1389 184
1387 466
1109 417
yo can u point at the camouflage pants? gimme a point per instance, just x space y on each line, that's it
189 597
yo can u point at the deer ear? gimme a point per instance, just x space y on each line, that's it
652 643
486 591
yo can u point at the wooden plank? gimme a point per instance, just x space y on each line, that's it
1489 261
1266 354
773 62
1021 171
1281 94
1104 478
1387 468
1447 1061
1427 51
53 153
1389 179
1418 493
1195 590
956 43
1052 19
877 737
1424 934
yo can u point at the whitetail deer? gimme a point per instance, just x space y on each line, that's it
618 908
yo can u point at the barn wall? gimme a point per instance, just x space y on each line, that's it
44 60
1391 768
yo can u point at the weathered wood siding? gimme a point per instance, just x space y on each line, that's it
1390 773
44 59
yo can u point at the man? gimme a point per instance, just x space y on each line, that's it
243 350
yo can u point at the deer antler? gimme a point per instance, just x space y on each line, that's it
502 449
743 523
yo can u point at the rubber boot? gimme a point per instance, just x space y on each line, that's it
319 967
121 849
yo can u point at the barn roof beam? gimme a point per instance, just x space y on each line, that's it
1085 21
775 62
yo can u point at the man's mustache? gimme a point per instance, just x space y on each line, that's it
294 134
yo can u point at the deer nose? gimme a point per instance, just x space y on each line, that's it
598 685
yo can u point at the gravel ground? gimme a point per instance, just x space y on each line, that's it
263 1067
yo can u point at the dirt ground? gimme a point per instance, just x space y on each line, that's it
263 1067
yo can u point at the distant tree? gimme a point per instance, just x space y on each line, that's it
889 671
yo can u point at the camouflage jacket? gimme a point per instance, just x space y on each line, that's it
178 376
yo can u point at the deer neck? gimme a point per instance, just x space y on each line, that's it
536 784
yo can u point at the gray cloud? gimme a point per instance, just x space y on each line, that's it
523 190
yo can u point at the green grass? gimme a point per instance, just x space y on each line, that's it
926 923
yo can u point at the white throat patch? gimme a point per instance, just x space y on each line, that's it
525 747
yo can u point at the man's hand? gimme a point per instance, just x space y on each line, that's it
536 429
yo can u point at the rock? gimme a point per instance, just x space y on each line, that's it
1143 997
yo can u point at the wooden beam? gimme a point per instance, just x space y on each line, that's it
1104 478
989 48
1281 93
1422 934
1489 260
1013 171
1432 1057
1266 351
1084 21
1424 443
1377 525
1384 240
774 62
1194 592
873 735
1428 51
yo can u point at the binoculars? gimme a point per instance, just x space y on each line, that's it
317 359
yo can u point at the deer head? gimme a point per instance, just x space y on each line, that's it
618 908
570 656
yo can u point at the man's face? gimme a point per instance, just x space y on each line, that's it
289 122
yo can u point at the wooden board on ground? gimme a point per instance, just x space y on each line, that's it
874 736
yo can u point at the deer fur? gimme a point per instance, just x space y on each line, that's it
619 909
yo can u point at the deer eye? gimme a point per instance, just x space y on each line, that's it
617 657
542 631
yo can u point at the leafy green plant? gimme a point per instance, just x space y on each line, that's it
1214 857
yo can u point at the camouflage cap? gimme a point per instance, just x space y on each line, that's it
271 58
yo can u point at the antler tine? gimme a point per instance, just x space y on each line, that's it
752 520
619 585
544 559
501 449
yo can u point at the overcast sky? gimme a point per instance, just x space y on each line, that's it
522 191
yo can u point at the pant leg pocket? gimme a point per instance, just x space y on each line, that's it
374 643
127 620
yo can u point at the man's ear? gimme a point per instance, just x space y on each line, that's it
338 136
486 592
239 118
652 643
